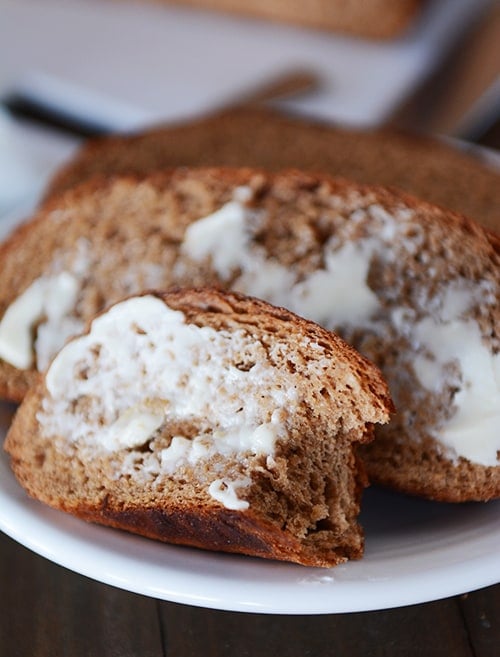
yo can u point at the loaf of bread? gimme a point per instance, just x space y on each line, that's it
413 287
379 19
207 419
423 166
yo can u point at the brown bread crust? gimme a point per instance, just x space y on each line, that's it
458 246
423 166
86 489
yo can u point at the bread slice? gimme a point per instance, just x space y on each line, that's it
413 287
207 419
258 137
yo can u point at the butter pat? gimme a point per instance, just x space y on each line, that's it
265 278
142 350
224 491
258 440
334 296
16 327
133 428
338 294
473 431
48 298
221 236
450 351
177 453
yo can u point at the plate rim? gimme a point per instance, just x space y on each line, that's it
106 560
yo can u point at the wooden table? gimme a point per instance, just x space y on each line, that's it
48 611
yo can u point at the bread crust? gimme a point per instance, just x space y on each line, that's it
51 475
218 530
426 167
470 247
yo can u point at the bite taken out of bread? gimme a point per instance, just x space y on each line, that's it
413 287
207 419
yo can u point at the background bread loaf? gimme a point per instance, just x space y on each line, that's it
414 287
426 167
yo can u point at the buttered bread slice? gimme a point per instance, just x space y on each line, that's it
414 287
207 419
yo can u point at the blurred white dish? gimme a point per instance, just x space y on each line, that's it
29 156
127 64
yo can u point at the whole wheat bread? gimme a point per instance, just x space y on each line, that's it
256 137
207 419
414 287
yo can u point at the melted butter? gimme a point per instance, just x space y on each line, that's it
51 298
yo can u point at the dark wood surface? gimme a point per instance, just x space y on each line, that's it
48 611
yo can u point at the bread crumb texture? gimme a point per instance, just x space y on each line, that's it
413 287
207 419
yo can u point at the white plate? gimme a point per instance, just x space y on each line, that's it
416 551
